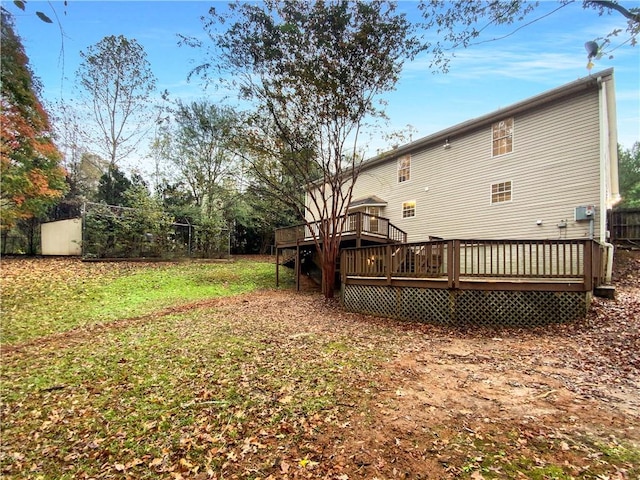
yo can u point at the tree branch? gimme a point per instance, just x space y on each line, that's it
634 17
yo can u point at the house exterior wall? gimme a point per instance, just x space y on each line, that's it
554 167
63 237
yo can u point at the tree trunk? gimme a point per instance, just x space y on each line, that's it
31 232
329 257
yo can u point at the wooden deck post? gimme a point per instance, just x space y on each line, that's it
388 263
453 263
588 265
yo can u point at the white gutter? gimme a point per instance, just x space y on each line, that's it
605 176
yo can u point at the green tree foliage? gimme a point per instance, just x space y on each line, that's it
460 23
117 82
32 177
262 213
178 201
112 188
211 238
145 226
83 180
199 146
313 71
143 231
629 175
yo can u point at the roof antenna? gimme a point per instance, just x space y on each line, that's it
593 51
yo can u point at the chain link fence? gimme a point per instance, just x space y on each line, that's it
120 232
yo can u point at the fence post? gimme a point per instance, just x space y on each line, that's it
277 267
83 241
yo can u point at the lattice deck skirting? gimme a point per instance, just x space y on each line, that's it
496 308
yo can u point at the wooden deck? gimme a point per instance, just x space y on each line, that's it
295 245
537 265
489 283
374 253
358 228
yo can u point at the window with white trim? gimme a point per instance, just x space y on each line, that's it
374 223
404 169
502 137
501 192
409 209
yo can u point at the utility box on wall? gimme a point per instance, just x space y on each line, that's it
587 212
63 237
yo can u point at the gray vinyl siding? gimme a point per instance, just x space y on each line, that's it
554 167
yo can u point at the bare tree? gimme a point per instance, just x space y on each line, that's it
117 82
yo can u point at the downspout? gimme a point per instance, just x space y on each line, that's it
606 182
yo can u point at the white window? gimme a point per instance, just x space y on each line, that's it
409 209
501 192
374 224
502 137
404 169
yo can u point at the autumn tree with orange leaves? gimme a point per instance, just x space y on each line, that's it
32 178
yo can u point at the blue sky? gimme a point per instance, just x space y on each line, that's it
481 79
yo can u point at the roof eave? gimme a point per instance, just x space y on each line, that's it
549 96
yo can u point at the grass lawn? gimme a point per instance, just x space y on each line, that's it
205 371
42 297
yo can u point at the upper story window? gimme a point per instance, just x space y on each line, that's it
404 169
409 209
501 192
502 137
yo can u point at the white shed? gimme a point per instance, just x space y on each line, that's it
63 237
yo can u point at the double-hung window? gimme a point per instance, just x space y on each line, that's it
404 169
502 137
501 192
409 209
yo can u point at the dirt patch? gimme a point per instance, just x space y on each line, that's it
453 403
559 402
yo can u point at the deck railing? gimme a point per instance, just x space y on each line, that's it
531 258
570 261
356 223
425 259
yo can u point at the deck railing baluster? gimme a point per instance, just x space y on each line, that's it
535 260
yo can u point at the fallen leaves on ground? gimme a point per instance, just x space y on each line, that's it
280 385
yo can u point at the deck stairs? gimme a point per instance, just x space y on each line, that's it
363 229
308 263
